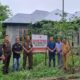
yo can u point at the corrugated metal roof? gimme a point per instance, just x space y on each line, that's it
39 15
27 18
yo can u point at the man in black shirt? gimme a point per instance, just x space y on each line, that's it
16 49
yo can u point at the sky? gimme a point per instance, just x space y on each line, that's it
29 6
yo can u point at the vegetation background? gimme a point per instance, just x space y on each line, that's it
40 71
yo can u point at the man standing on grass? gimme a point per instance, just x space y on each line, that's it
27 47
52 52
16 49
65 53
7 54
59 51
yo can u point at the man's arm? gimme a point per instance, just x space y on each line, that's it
20 49
54 48
25 49
49 49
31 48
14 51
2 57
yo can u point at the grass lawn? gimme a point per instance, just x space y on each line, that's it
39 70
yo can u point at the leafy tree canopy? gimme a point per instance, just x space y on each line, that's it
4 12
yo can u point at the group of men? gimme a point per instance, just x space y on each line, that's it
61 47
16 49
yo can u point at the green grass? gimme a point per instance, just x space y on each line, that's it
39 70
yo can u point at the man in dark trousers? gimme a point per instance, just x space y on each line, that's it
7 54
16 49
27 47
51 49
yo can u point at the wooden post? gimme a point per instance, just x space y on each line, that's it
22 36
46 58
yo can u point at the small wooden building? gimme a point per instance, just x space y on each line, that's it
19 23
15 26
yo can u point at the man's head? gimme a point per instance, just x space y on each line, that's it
51 39
64 41
6 38
17 39
28 38
59 39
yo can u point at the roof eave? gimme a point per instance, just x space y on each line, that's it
4 24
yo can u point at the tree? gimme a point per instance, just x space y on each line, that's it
4 12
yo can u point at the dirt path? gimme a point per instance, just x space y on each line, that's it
61 78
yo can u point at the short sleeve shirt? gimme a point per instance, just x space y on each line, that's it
51 45
27 46
6 48
59 46
18 48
